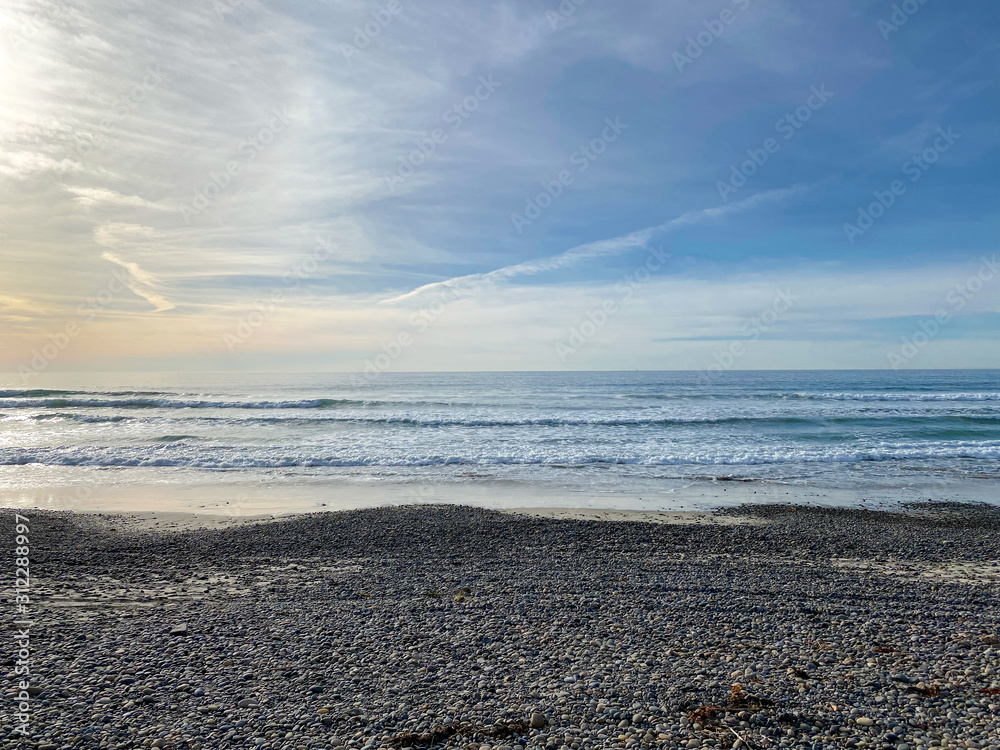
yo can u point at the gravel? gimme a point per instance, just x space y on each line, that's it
448 626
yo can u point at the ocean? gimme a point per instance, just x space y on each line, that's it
625 439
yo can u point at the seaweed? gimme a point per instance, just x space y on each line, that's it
447 731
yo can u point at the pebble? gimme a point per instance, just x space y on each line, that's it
461 627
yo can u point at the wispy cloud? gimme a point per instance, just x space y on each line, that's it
23 164
10 307
601 248
141 283
90 197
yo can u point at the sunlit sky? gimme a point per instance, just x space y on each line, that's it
235 185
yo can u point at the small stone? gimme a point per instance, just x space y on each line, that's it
864 721
537 721
181 629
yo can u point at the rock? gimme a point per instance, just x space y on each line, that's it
181 629
554 600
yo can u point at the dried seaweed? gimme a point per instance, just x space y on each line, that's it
441 733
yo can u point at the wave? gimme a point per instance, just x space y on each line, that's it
818 396
45 392
933 420
87 418
179 454
899 396
54 399
166 403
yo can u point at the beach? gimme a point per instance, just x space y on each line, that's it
550 375
453 626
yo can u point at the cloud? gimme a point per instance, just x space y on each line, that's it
141 283
10 306
116 234
22 164
615 246
114 118
90 197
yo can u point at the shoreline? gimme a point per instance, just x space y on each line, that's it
182 521
241 499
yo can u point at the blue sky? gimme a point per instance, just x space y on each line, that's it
185 162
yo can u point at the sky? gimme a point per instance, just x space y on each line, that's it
521 185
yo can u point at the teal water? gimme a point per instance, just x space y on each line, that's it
571 430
